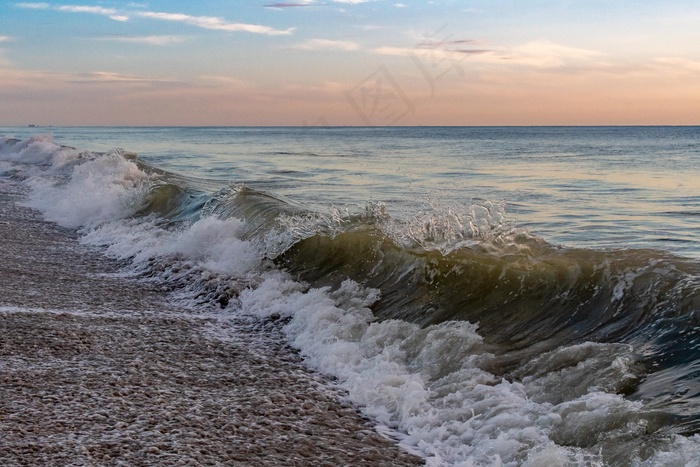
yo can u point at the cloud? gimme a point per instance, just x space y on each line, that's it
148 40
546 54
213 22
108 77
370 27
109 12
535 54
678 64
301 3
3 61
430 44
96 10
542 57
205 22
327 44
289 4
33 6
222 81
451 49
18 80
395 51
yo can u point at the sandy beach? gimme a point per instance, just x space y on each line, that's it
98 369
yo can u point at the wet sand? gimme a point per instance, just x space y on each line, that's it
98 369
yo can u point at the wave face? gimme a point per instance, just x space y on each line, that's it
475 341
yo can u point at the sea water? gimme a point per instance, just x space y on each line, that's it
494 296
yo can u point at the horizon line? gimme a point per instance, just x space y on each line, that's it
653 125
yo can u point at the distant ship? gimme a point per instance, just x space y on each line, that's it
31 125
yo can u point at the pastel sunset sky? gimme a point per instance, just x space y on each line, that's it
350 62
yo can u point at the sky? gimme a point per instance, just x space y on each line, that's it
350 62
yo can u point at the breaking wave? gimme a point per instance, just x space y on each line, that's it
477 342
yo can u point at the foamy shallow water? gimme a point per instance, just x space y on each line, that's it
449 389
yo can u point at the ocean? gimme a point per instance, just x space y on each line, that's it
488 295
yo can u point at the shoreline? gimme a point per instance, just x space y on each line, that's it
98 369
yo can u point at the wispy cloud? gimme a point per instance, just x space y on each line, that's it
535 54
213 22
448 44
205 22
678 64
546 54
16 79
281 5
393 50
224 81
96 10
435 50
33 6
109 12
147 40
3 61
20 81
370 27
303 3
108 77
327 44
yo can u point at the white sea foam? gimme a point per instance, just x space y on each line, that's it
100 190
431 383
37 150
210 244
